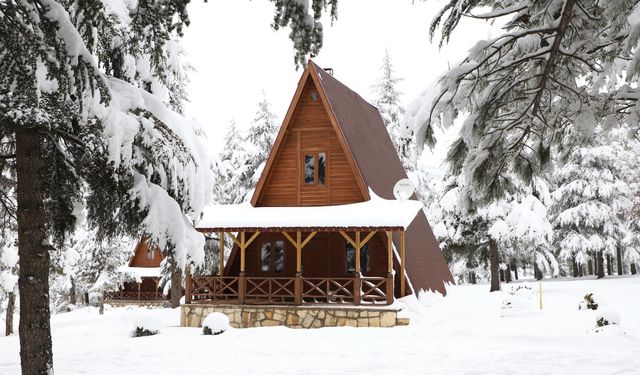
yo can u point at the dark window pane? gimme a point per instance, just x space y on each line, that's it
364 258
309 168
265 255
321 167
279 254
351 257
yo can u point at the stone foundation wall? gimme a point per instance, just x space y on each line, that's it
192 315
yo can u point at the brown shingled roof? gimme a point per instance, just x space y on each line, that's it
378 162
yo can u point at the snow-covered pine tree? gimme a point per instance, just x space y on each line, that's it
256 147
226 166
73 100
589 204
555 61
387 99
511 229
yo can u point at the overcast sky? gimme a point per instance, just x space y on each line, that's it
236 54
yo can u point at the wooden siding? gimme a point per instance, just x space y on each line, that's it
140 259
310 130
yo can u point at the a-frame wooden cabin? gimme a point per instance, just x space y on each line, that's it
143 276
323 225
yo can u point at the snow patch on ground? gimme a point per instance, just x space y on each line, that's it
462 333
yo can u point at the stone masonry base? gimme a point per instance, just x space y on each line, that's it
244 316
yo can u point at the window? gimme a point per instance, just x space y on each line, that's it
351 258
151 254
272 256
314 168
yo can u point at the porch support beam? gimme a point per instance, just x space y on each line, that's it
402 262
221 254
299 244
357 282
389 286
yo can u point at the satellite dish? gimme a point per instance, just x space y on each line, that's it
403 189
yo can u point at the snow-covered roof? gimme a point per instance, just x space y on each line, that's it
140 272
376 212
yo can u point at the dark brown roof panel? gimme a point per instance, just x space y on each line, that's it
377 160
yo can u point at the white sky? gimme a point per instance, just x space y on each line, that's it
236 54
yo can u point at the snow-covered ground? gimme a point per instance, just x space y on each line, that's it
467 332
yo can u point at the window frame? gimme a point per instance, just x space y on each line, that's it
315 153
365 262
272 257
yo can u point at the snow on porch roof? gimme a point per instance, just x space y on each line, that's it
375 213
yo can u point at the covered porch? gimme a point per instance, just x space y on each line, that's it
307 255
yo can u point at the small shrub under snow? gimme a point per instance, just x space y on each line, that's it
215 324
146 325
521 297
606 318
588 302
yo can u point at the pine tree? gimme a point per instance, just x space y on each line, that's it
226 166
589 204
512 229
556 63
75 105
388 103
243 157
256 145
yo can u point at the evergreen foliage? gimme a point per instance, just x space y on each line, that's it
388 102
591 202
556 63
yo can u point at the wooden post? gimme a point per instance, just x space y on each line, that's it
139 291
389 289
297 284
242 286
242 248
357 282
402 281
221 254
187 285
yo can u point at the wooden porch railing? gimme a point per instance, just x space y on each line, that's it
214 288
282 290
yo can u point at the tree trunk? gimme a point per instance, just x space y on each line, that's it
507 274
619 260
574 265
590 267
633 269
609 265
72 292
472 278
176 285
494 265
11 307
101 307
600 264
536 271
515 270
86 298
36 356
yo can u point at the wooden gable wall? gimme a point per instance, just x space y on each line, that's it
309 129
140 258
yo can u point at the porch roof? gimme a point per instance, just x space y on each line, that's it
374 213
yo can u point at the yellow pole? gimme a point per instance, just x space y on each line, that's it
540 295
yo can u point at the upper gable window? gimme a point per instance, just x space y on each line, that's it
315 166
151 253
